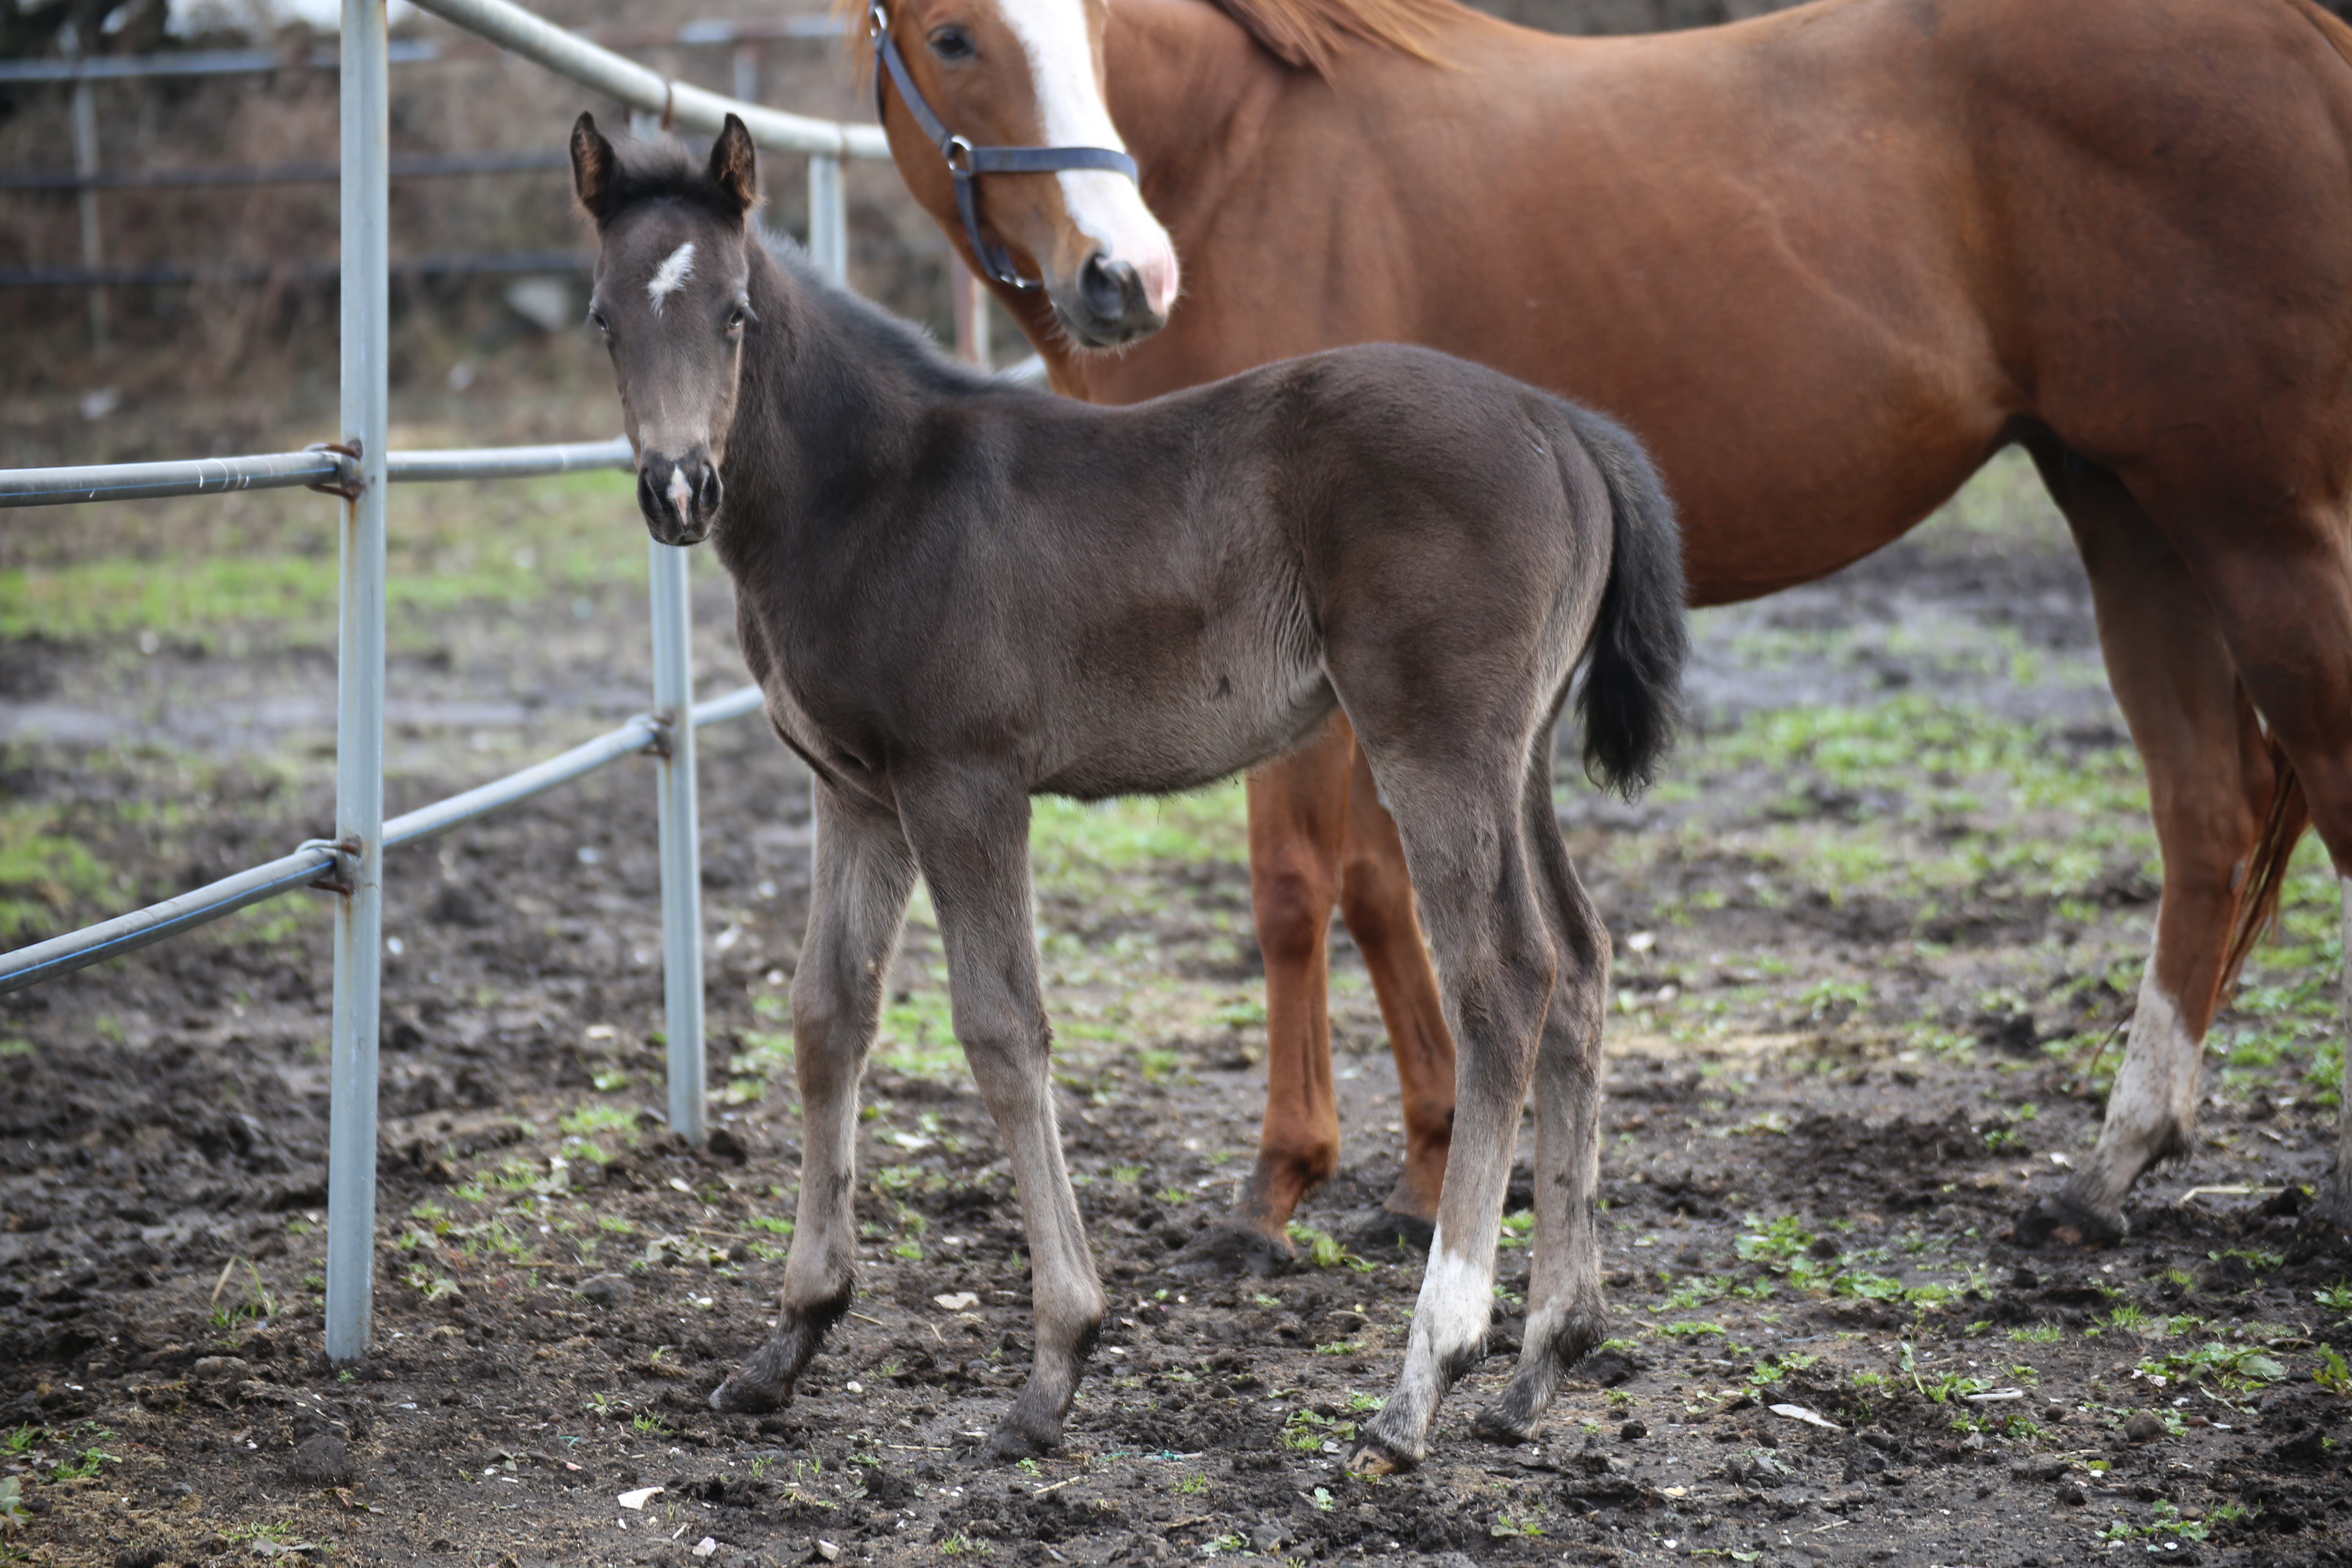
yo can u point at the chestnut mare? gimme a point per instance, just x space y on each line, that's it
1825 262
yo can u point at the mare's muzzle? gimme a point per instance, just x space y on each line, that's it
679 498
1110 305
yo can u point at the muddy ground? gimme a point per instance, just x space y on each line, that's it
1875 939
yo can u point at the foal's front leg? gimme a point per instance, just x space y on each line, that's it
863 875
971 832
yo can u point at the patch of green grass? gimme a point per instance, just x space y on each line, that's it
2039 1334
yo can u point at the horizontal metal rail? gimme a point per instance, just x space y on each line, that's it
284 470
308 865
305 271
403 51
570 55
433 168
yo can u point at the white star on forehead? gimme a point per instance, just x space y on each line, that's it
670 276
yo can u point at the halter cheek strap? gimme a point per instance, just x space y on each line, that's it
968 163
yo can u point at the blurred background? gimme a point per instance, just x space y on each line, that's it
167 284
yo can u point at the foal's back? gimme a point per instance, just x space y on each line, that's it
1196 558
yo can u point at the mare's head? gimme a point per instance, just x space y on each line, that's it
673 303
1029 74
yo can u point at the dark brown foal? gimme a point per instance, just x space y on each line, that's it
956 593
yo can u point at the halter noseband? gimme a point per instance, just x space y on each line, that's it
968 163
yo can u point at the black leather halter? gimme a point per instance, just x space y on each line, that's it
968 163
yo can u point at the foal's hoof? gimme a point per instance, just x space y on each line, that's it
1498 1423
1383 1226
1223 1251
1014 1442
742 1395
1372 1457
2322 1233
2059 1221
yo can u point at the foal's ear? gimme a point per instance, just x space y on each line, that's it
735 167
592 167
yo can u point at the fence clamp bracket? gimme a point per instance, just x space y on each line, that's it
347 478
336 876
663 724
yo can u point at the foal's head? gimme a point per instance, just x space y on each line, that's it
673 303
1029 73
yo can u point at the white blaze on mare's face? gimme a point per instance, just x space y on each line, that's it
1104 203
681 494
670 276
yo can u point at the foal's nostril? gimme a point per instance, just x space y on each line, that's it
1111 291
705 496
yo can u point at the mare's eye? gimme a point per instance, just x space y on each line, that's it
953 44
738 316
597 319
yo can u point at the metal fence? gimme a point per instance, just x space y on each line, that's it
359 468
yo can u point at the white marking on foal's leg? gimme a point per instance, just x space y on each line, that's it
1104 206
681 494
1449 1330
670 276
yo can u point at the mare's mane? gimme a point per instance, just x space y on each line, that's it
668 170
1308 34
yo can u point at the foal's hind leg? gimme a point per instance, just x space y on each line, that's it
1464 839
1376 901
971 832
2208 781
1567 1314
864 874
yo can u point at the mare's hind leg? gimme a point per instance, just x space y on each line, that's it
2208 781
863 876
2283 590
1298 820
1567 1314
971 832
1376 901
1465 838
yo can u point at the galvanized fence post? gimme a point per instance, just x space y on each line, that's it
828 217
681 845
359 696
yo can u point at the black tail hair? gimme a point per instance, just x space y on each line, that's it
1631 700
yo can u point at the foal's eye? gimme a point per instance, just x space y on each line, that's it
953 44
737 317
597 319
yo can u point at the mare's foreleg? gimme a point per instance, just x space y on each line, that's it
864 874
1567 1314
971 832
2208 781
1462 832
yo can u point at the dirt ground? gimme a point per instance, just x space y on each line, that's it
1875 938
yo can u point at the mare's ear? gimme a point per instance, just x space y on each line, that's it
592 167
735 167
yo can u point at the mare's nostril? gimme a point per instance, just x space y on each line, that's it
705 496
1108 289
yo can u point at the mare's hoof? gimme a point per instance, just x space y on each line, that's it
1494 1425
1013 1442
1372 1457
742 1396
1383 1226
1223 1251
2059 1221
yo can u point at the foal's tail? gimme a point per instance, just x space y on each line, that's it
1631 703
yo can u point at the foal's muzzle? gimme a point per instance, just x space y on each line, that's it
679 498
1109 306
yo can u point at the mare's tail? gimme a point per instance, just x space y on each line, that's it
1631 703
